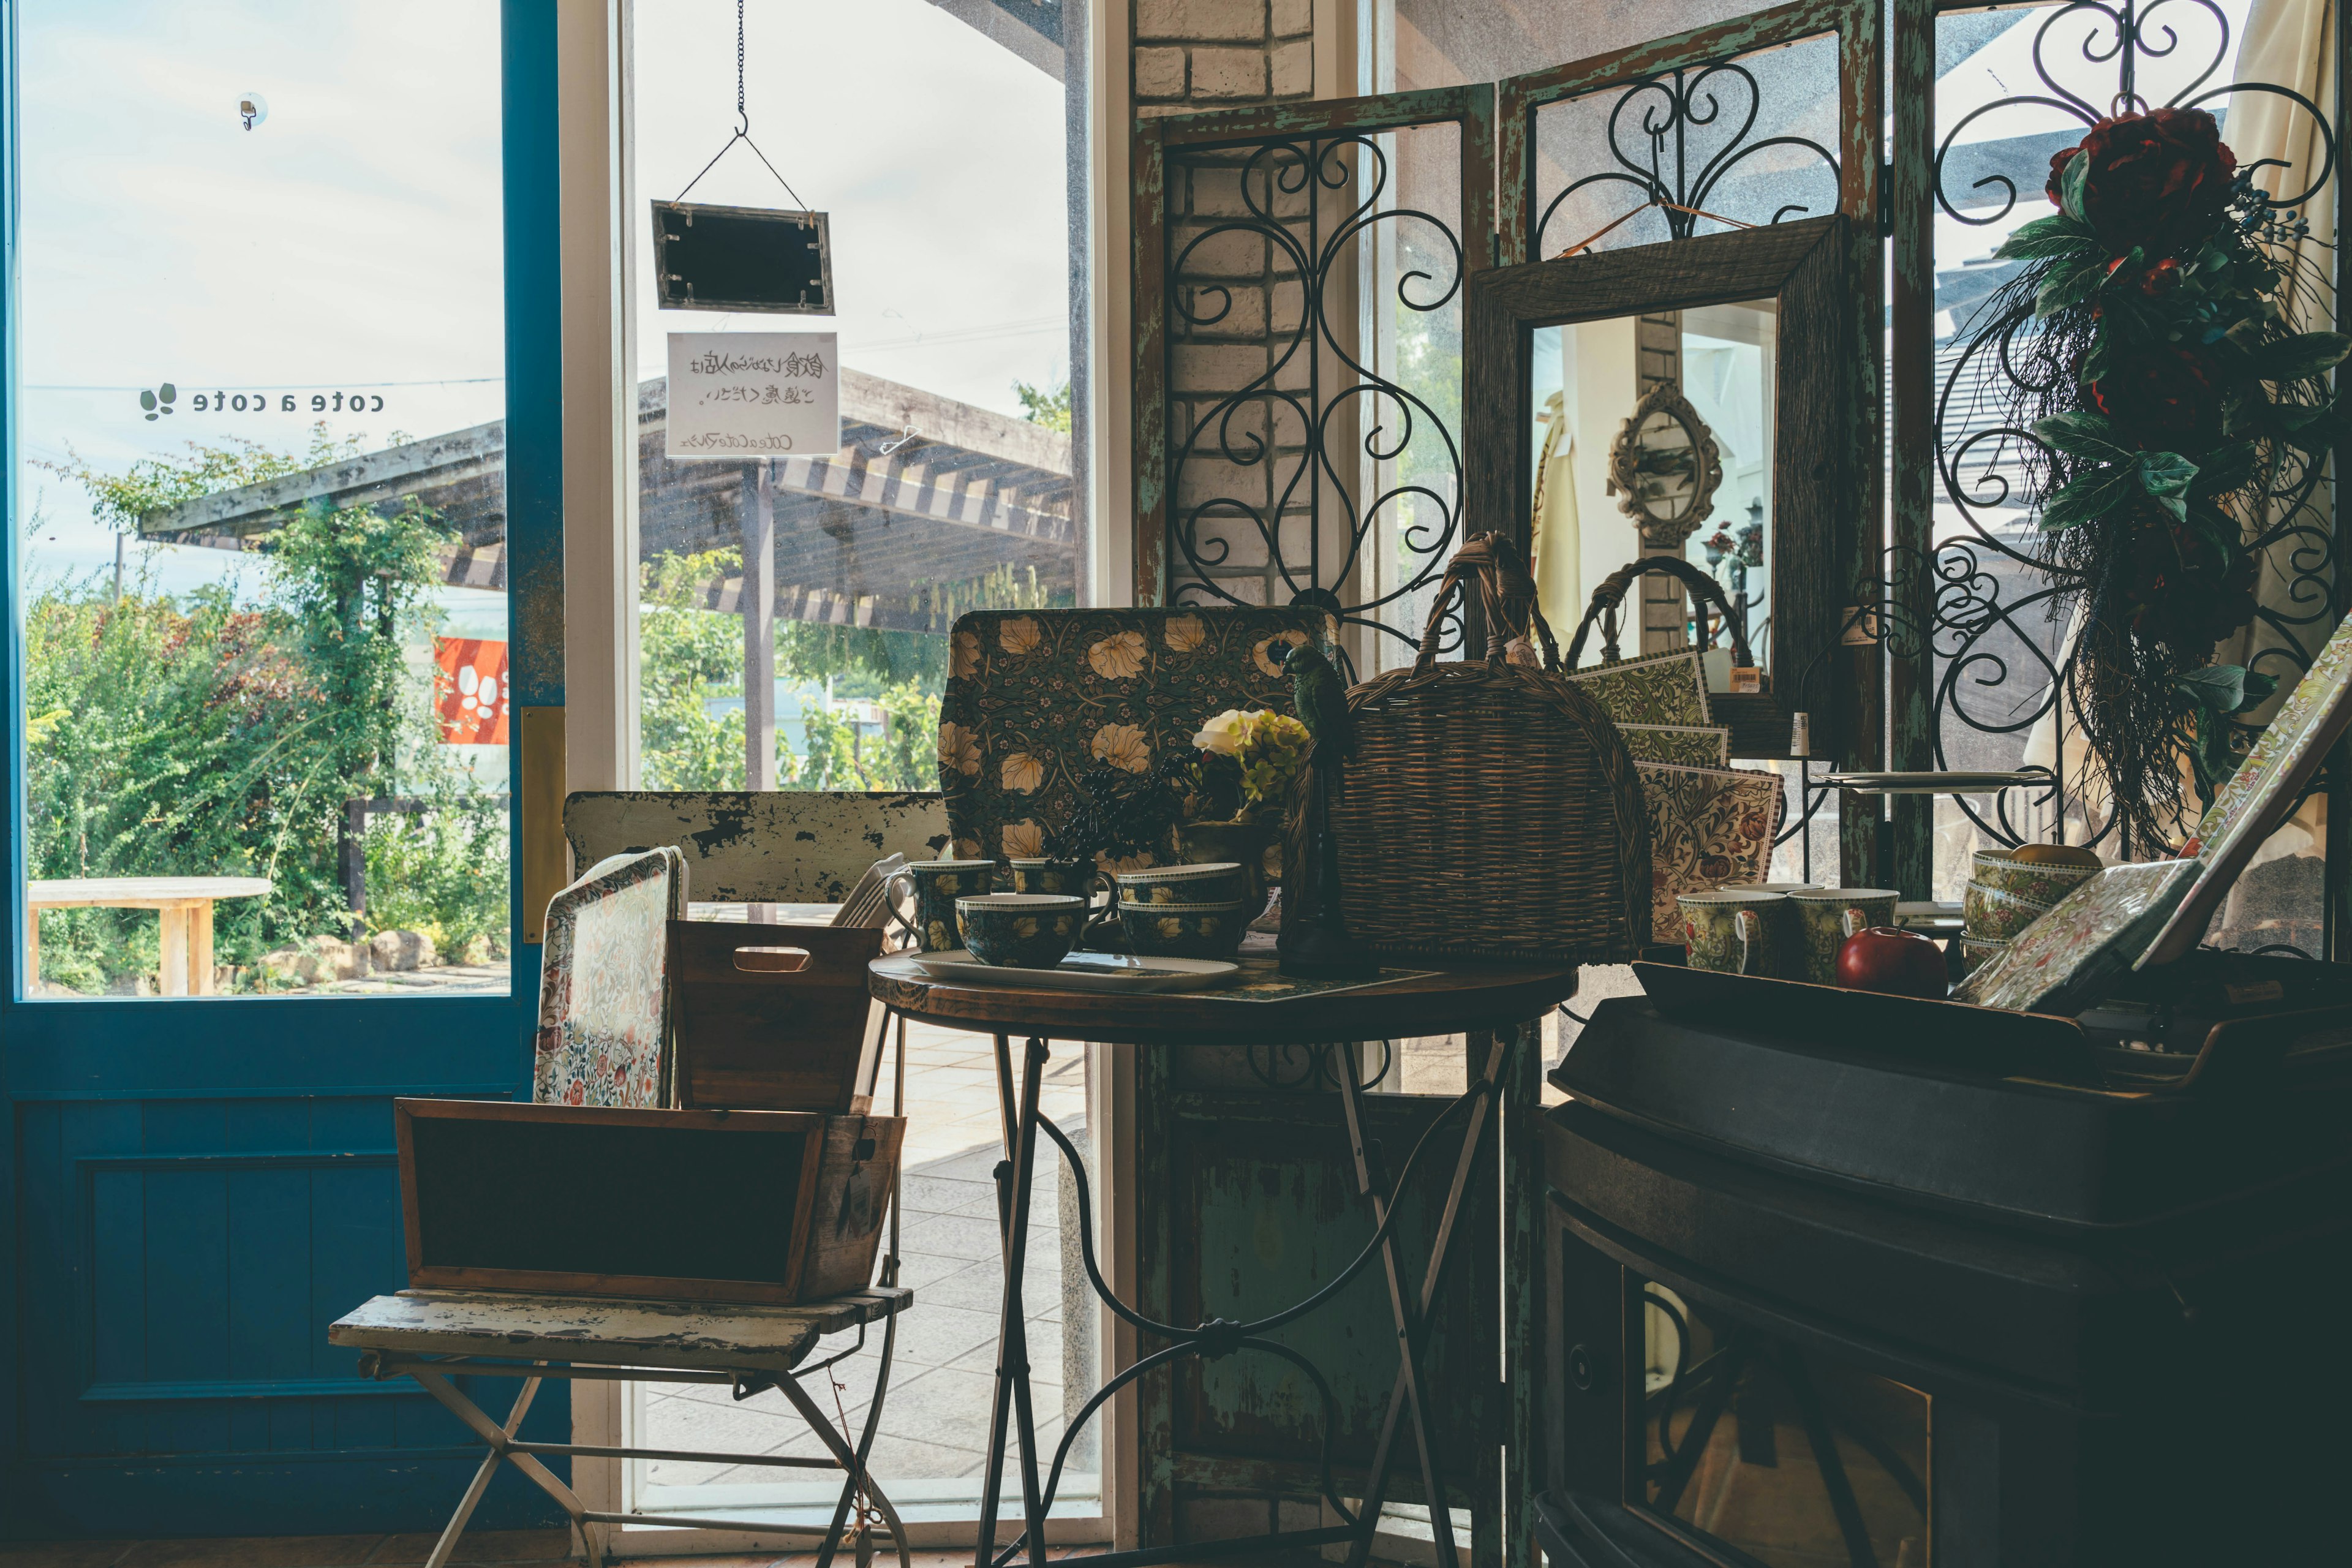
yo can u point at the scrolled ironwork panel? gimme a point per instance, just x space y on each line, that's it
1298 378
2000 658
1314 379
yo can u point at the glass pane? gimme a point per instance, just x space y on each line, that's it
948 153
260 388
1654 437
956 484
1783 1455
1448 43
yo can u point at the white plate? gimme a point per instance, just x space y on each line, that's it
1079 972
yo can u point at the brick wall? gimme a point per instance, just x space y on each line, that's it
1215 54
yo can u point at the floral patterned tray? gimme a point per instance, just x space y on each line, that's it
2064 960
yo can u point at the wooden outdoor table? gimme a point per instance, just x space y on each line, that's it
1498 1006
186 905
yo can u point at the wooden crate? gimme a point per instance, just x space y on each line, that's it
779 1208
774 1018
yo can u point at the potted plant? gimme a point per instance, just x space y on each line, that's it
1243 765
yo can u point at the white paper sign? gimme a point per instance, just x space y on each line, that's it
753 394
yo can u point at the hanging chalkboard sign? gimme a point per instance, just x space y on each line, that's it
742 259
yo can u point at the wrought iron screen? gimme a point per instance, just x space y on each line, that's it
1303 271
1973 597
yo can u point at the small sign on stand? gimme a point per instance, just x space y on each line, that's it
753 394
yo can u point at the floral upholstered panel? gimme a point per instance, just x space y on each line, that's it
2064 960
1708 827
2262 793
604 992
1036 698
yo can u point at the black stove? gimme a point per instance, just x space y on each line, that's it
1844 1279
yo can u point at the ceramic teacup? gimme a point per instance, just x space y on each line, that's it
1024 930
1993 915
931 888
1780 928
1036 874
1827 916
1735 931
1186 931
1210 882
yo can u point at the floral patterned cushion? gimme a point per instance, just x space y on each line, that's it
604 992
1036 699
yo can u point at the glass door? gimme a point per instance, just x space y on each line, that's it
263 685
794 613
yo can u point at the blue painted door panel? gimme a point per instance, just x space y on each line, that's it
192 1191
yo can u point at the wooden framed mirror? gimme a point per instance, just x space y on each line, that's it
1683 402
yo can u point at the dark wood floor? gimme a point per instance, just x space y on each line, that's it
384 1551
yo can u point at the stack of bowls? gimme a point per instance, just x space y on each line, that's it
1186 911
2003 896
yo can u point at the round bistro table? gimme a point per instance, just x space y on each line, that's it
1500 1004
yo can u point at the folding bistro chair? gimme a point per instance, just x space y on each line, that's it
608 1009
783 846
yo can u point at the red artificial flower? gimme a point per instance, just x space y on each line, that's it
2162 279
2157 181
2162 400
2185 590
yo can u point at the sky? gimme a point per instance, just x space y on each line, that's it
351 241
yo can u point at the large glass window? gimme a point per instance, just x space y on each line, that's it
945 145
261 501
953 205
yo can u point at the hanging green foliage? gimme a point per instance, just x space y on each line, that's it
2149 354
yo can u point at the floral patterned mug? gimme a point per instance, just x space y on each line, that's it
931 888
1735 931
1827 916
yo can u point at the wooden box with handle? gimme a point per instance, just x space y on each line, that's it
774 1018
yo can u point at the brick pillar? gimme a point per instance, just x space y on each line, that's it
1217 53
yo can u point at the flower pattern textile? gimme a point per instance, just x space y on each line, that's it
2063 961
1708 827
605 997
1689 745
1036 699
1667 688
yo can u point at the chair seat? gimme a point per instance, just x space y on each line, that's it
609 1330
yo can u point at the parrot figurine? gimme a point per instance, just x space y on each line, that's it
1315 944
1322 708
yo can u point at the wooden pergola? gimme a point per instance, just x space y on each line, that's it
903 528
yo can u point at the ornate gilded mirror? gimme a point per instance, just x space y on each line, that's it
1664 467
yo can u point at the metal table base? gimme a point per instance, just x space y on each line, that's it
1408 1403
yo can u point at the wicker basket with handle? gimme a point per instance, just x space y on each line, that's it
1491 810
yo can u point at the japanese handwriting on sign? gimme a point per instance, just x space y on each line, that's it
753 394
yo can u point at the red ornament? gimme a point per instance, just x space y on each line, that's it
1900 963
2161 400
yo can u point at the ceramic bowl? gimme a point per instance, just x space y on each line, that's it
1993 915
1212 882
1024 930
1186 931
2042 884
1976 953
